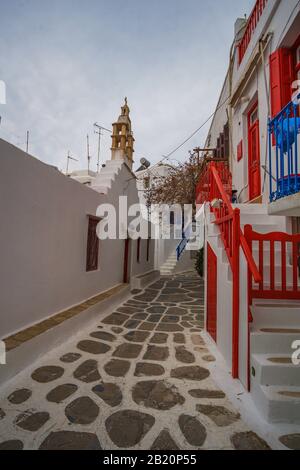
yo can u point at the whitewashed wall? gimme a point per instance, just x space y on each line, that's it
43 239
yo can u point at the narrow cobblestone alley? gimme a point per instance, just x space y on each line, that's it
138 379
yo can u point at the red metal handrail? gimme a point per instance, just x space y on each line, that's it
243 242
251 26
212 186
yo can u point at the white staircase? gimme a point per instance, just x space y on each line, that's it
103 182
167 268
275 380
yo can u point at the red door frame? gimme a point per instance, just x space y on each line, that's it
126 258
254 173
211 298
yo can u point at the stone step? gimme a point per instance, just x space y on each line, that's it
263 219
252 208
171 260
273 340
278 403
276 314
275 369
266 228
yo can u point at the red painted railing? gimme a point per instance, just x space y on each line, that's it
212 187
279 280
251 26
206 189
277 273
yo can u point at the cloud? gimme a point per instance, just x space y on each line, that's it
69 64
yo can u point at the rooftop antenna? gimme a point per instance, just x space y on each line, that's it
69 157
27 141
88 152
99 133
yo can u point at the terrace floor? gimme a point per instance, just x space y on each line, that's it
138 379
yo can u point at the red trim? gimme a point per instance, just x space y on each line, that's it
240 151
228 220
211 297
235 292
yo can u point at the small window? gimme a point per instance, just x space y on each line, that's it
92 245
148 248
254 116
138 250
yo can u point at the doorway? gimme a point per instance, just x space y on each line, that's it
254 176
126 272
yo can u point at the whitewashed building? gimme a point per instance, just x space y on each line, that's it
171 255
252 222
54 270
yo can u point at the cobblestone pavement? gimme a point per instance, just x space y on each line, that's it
138 380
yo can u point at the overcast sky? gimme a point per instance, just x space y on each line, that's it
69 63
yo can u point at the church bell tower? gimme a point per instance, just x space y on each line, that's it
122 137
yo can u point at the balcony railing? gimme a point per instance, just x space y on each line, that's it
284 158
251 26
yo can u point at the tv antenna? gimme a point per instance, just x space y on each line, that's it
27 141
100 134
69 157
88 151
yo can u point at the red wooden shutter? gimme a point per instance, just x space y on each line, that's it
281 77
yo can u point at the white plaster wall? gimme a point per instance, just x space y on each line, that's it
243 322
43 239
